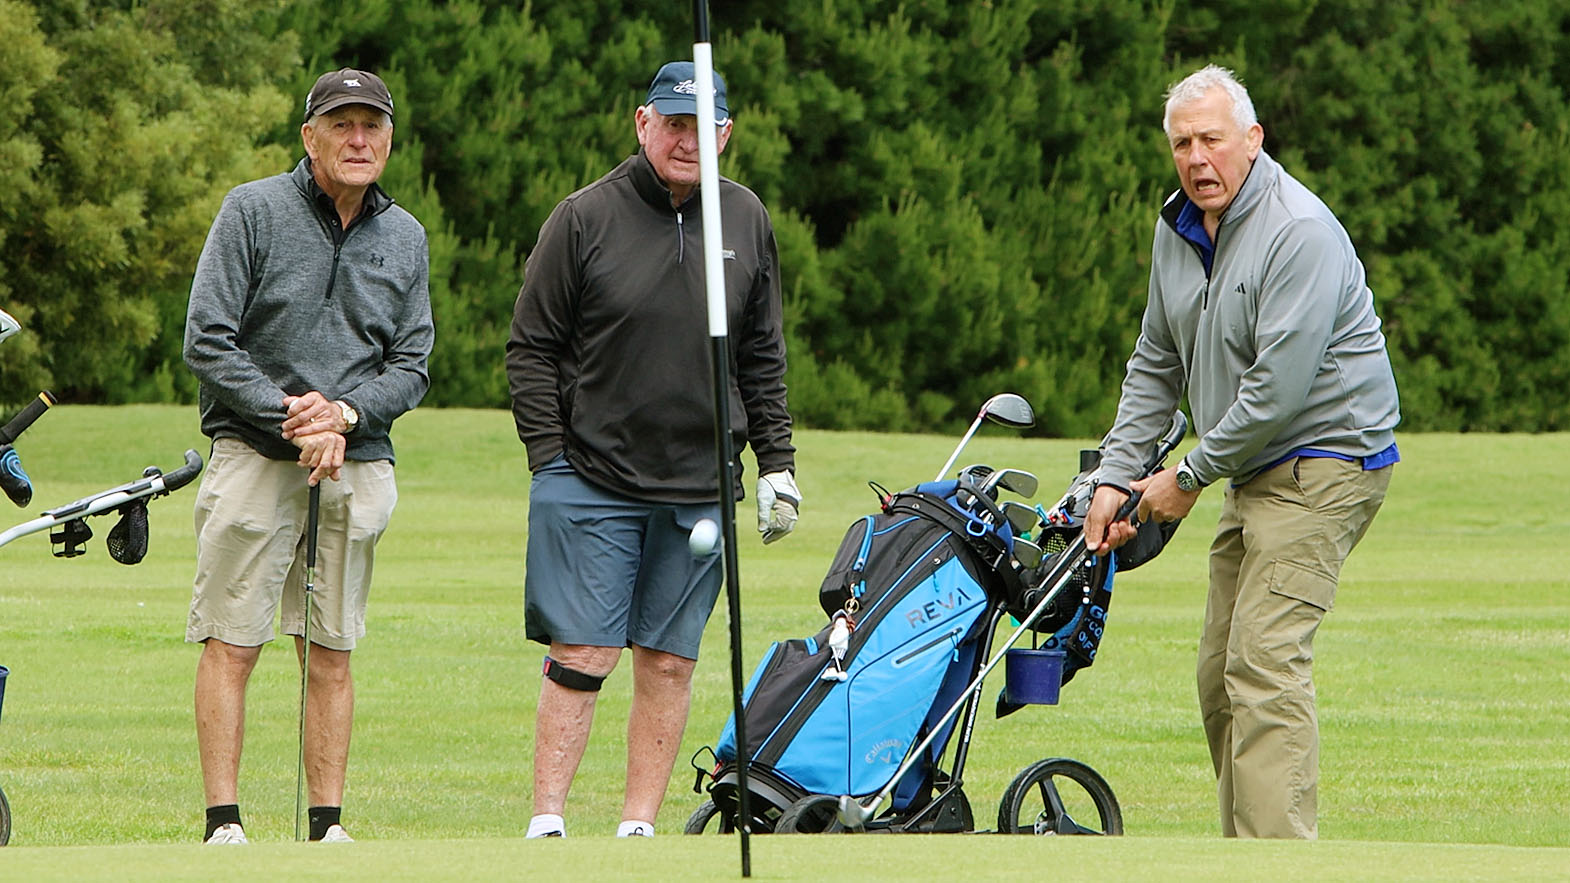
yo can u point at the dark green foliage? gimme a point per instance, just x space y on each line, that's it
963 192
114 153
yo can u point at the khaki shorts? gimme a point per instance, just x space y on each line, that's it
250 548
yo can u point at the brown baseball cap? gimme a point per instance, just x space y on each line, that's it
335 89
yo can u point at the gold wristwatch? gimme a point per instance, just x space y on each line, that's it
351 417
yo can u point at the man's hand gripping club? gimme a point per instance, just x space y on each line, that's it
1156 497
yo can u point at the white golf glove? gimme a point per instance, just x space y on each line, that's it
778 500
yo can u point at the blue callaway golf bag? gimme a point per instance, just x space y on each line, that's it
914 583
866 708
910 592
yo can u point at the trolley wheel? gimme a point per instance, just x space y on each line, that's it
5 820
1037 801
704 818
813 814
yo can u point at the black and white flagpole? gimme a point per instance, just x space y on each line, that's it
719 358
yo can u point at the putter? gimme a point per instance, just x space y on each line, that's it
1006 409
312 518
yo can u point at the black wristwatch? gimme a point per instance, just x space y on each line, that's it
1187 481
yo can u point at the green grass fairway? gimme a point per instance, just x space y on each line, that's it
1443 684
799 857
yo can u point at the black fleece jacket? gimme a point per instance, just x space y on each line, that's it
608 361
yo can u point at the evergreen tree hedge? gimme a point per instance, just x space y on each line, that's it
963 192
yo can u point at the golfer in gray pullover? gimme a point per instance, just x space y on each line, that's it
309 328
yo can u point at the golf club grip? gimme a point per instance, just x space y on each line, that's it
1171 440
313 518
1128 507
20 422
181 477
1168 442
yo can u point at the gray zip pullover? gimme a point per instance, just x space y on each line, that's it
284 302
1278 348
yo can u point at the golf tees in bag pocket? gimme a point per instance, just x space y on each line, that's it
917 593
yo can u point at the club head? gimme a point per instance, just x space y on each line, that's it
1009 409
1022 518
1017 480
8 325
976 472
1028 554
852 814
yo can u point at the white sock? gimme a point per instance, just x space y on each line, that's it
635 828
545 824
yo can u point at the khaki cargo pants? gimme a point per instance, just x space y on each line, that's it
1274 564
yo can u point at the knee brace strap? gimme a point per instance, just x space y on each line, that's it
571 678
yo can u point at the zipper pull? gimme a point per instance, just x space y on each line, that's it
681 239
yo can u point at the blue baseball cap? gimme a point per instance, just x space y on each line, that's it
675 91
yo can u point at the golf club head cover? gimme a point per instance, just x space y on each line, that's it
778 502
127 541
15 481
572 679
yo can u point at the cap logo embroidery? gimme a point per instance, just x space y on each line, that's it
354 83
685 87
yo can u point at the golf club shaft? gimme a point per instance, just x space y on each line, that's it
312 521
964 440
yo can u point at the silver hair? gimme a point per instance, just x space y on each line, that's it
1199 83
386 120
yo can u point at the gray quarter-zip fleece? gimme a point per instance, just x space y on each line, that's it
1278 347
284 302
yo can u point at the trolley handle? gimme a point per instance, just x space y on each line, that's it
21 421
181 477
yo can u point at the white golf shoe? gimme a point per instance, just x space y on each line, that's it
336 834
227 835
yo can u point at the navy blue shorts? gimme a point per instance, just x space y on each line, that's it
609 571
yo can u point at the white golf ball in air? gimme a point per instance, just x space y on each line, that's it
705 537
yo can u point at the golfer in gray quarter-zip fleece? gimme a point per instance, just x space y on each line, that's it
309 329
1259 310
285 300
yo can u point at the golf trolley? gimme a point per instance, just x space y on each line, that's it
864 712
127 541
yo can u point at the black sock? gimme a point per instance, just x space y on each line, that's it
218 816
322 818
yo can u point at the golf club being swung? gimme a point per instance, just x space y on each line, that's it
312 519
